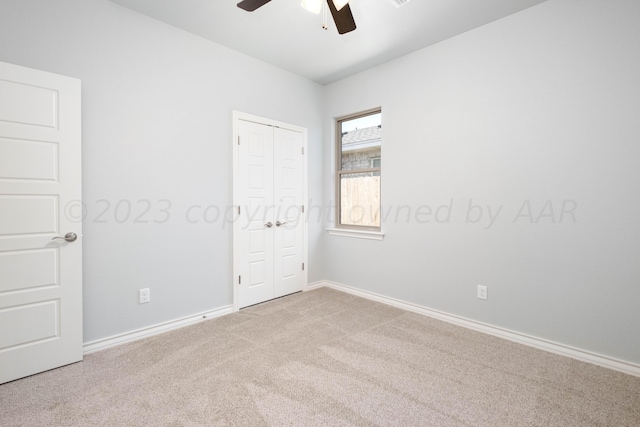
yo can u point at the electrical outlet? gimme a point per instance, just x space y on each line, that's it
144 295
482 292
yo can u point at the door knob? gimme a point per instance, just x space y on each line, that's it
269 225
69 237
278 223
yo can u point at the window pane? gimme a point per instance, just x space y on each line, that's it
360 199
361 141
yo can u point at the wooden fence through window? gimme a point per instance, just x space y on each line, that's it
360 200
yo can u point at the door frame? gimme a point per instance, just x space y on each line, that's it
237 116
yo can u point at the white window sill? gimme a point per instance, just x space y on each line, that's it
358 234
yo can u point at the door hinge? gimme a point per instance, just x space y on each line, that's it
239 280
238 140
238 210
302 208
303 266
303 150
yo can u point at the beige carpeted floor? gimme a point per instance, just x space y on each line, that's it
323 358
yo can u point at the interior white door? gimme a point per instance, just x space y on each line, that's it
40 176
270 229
288 182
255 226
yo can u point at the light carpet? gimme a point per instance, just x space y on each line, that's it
323 358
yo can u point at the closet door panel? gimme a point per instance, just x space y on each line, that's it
256 212
288 181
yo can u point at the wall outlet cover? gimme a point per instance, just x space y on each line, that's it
144 296
482 292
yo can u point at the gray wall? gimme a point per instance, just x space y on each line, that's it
540 107
157 106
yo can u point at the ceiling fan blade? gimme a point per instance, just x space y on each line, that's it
251 5
343 18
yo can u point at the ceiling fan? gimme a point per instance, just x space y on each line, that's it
340 11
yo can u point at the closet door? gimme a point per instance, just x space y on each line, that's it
289 218
255 223
270 225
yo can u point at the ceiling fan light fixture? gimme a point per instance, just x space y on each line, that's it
339 4
399 3
314 6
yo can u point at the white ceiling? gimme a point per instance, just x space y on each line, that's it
284 34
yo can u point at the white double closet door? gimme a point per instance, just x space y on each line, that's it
269 231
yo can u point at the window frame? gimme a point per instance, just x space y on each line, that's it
340 173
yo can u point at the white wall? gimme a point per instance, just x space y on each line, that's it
540 106
157 106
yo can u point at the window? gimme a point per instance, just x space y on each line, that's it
358 159
375 163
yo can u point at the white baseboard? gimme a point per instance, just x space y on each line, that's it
316 285
531 341
104 343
